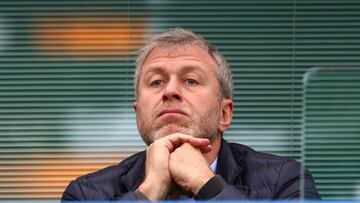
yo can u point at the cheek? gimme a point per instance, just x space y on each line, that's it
204 108
145 107
147 95
151 101
207 99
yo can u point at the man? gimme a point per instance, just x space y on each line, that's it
184 104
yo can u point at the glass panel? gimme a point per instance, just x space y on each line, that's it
331 131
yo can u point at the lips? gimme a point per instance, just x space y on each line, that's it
172 111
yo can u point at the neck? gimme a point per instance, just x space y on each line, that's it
216 144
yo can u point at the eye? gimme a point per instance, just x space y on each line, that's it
156 83
191 81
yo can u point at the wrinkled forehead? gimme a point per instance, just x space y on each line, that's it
172 51
176 50
168 50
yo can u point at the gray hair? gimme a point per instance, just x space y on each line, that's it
181 37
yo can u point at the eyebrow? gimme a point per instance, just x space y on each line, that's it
185 69
195 68
155 69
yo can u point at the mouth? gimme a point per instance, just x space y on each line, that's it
171 111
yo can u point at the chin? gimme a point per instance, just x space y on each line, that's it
173 128
164 131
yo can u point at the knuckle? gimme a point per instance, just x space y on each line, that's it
150 146
172 157
156 142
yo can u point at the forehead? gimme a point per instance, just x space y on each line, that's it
179 53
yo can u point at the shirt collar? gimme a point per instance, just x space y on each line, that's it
214 164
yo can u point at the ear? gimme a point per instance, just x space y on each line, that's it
135 104
227 107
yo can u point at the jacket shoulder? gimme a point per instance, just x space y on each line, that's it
259 175
254 159
103 184
117 169
265 173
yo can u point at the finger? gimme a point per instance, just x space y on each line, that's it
178 139
183 138
205 149
202 149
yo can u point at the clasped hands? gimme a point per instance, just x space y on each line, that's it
175 159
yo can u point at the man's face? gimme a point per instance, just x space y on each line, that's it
178 92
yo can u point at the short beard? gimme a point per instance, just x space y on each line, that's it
207 128
166 130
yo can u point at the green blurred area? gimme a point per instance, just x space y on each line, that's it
66 89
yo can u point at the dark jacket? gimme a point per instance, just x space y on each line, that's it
248 173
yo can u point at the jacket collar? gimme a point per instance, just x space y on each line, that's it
228 166
136 173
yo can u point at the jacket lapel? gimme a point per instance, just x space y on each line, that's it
229 167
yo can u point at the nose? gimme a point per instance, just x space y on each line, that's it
172 91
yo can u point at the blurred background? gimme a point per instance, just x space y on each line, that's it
66 84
